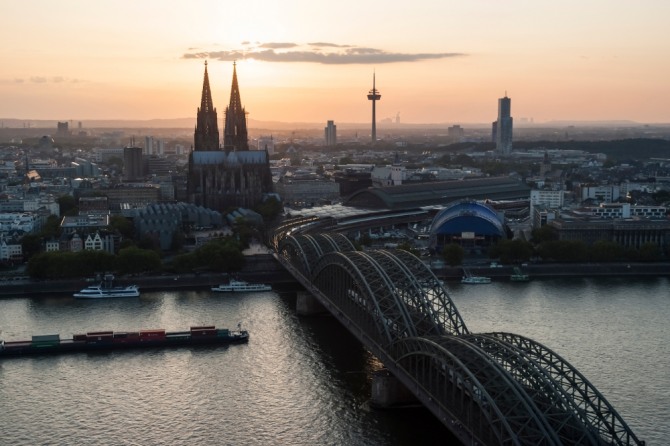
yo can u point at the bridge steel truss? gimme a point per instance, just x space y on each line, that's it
490 388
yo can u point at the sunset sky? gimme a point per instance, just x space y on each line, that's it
436 61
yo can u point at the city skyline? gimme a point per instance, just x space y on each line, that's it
298 62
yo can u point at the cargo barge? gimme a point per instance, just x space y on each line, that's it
115 340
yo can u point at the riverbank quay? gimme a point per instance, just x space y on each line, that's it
554 270
262 268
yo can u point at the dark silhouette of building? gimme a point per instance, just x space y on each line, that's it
374 96
235 132
502 128
133 169
207 127
63 129
330 132
234 176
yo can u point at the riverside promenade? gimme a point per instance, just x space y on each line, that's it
259 268
264 268
552 270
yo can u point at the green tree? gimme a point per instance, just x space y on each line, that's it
244 231
606 251
544 233
511 251
453 254
67 205
649 252
178 240
51 227
365 239
221 255
31 244
406 246
563 251
134 260
269 208
123 225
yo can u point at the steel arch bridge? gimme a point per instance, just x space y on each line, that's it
487 388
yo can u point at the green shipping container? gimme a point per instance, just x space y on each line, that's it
45 340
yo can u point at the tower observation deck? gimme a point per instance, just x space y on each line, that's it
374 96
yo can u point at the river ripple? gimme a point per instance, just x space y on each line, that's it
305 381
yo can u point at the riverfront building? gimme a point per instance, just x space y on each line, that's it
630 233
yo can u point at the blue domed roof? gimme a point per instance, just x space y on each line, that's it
467 216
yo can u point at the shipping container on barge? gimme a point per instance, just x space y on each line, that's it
115 340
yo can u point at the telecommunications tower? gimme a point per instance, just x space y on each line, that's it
374 96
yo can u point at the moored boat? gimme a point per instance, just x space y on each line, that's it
475 280
519 276
106 289
240 286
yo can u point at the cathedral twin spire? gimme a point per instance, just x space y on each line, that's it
235 133
206 136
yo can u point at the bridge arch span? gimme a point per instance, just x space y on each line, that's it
398 296
475 390
304 250
586 402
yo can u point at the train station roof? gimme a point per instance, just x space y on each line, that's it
440 193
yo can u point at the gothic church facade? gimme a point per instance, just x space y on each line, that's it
222 177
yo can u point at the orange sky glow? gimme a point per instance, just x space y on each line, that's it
303 61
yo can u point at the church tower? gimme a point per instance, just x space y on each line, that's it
206 136
235 136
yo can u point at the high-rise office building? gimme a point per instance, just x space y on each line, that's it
160 147
133 169
148 145
502 128
266 143
331 133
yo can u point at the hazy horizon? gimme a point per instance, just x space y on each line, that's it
435 61
189 123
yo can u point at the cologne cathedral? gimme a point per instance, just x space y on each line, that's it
221 177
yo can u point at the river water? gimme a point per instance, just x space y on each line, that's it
304 380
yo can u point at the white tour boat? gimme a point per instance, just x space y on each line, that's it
240 286
107 289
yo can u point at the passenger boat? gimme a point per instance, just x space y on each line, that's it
240 286
475 280
106 289
518 276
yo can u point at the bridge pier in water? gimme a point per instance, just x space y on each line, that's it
306 304
389 392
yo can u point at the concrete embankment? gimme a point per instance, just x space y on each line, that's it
264 268
536 270
259 268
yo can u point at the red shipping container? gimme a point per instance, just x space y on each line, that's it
152 334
